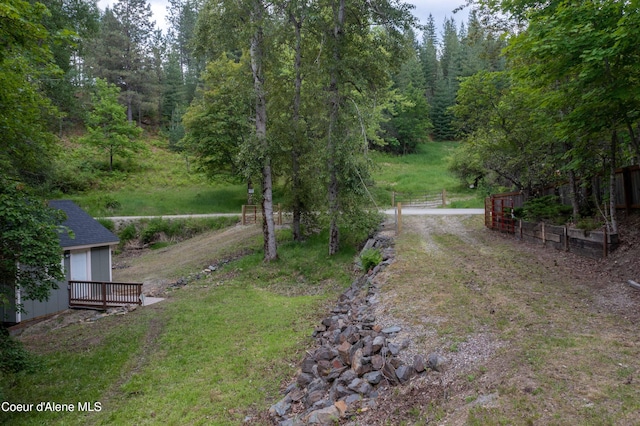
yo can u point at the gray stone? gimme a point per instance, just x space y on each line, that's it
377 362
391 330
356 362
280 408
404 373
307 365
394 349
389 373
373 377
354 397
419 363
304 379
314 397
325 417
325 353
436 362
355 383
348 376
378 343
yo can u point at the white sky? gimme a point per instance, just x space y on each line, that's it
440 9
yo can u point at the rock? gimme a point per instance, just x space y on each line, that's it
348 376
419 363
404 373
342 407
304 379
343 352
357 364
296 395
378 343
325 353
340 391
436 362
391 330
324 367
307 365
314 397
281 407
393 349
389 373
325 417
317 385
373 377
354 397
377 362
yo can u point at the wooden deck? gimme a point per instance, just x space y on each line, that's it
103 295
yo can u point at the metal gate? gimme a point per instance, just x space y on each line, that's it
498 211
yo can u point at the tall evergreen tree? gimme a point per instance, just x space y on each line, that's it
123 55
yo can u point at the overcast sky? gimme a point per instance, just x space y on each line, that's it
440 9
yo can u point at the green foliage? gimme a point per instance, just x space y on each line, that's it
370 258
128 233
107 223
30 251
179 229
26 146
217 122
107 127
14 358
547 208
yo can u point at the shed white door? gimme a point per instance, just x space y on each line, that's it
80 271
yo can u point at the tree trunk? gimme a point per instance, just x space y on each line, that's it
612 183
334 89
295 151
257 58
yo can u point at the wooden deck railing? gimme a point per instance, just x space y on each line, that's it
99 294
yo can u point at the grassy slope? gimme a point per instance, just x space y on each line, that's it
214 352
159 182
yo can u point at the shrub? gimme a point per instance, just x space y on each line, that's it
128 233
370 258
547 209
107 224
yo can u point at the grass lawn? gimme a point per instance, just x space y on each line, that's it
161 183
424 172
215 352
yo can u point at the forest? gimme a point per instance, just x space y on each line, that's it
296 94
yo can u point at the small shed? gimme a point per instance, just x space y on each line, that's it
86 259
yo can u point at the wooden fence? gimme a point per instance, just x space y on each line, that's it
101 294
419 199
252 213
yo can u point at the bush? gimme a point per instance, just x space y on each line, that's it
14 358
545 209
128 233
370 258
107 224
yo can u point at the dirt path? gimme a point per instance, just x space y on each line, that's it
530 336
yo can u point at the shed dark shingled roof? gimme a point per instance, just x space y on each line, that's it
87 230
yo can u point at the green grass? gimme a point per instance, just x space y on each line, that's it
215 352
422 172
161 182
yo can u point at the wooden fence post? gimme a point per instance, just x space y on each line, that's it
279 214
399 219
393 198
444 198
244 214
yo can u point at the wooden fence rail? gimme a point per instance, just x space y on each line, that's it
101 294
419 199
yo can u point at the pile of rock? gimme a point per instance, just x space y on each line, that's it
354 357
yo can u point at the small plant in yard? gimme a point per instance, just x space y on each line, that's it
370 258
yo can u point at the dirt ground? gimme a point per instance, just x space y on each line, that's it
530 335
